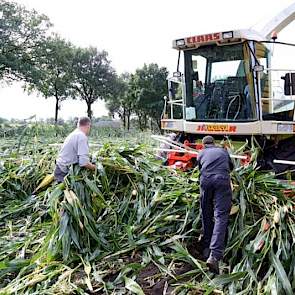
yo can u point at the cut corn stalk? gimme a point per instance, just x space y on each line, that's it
276 217
131 217
45 182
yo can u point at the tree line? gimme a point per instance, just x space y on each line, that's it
47 63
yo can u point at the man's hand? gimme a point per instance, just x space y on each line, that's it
90 166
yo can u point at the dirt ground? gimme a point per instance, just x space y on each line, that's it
147 277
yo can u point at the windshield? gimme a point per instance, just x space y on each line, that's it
219 84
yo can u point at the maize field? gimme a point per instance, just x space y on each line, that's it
133 226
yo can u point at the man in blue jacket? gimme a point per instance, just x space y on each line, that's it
215 166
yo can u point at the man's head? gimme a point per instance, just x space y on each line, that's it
84 124
208 140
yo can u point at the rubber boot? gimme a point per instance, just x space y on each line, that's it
213 264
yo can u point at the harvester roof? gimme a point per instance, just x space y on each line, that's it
219 38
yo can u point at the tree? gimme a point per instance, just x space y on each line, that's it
94 78
22 31
148 86
54 78
114 102
122 102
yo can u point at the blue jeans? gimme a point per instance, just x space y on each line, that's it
216 195
59 175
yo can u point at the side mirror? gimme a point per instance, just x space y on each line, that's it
173 90
258 68
289 84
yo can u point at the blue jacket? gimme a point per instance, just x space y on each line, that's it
213 160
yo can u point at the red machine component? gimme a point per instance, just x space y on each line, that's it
186 161
247 160
181 160
290 193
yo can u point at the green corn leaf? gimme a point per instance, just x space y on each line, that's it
63 224
228 278
281 274
132 286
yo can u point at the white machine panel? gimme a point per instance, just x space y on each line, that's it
233 128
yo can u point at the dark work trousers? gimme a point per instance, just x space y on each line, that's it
59 175
216 195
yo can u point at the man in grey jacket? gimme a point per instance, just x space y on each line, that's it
75 150
216 194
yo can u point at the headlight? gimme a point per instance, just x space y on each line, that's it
180 42
227 35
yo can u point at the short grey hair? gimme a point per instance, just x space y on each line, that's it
208 140
83 121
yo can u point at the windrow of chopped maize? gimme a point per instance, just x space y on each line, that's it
101 233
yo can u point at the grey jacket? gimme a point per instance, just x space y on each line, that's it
75 150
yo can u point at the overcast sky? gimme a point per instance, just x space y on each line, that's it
134 32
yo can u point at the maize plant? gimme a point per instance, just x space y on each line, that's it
133 227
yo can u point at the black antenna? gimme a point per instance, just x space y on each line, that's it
177 70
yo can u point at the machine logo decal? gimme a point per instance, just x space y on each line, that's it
289 128
168 124
203 38
217 128
286 128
